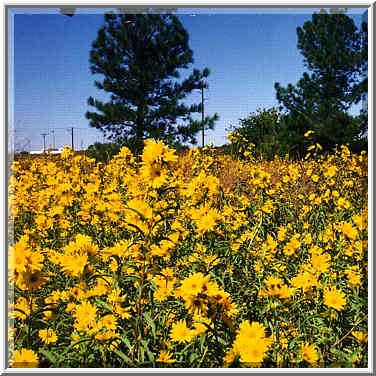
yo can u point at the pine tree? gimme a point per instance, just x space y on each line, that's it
141 57
336 56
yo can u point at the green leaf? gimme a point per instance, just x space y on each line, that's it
81 340
193 357
123 356
126 342
130 277
142 354
222 341
102 277
202 341
148 352
49 356
185 348
150 322
103 304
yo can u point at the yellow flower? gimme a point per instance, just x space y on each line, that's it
193 284
109 322
31 280
334 298
154 174
67 152
250 331
360 336
165 357
22 305
331 172
315 178
257 265
335 194
308 133
343 203
320 261
353 276
180 332
74 264
229 357
195 304
154 158
85 315
281 233
113 265
47 336
25 358
199 327
307 239
348 230
309 353
286 179
252 351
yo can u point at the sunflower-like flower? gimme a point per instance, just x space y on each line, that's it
165 357
85 315
251 343
25 358
334 298
47 336
155 158
31 280
180 332
193 284
360 336
309 353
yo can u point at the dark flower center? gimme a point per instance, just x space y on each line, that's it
34 278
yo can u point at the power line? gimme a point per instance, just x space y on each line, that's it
57 135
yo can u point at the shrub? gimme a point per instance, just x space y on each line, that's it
258 134
103 152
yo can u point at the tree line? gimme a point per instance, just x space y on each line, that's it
141 57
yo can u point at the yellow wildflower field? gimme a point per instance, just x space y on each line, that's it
191 260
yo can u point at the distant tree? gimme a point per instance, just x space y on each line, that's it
258 126
102 152
141 57
264 130
335 52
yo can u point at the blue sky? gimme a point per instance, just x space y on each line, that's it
246 50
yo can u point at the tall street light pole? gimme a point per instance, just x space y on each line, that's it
202 114
44 141
53 138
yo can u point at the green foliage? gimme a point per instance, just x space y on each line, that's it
335 52
103 152
141 57
260 134
338 128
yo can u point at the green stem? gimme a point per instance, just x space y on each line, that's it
30 320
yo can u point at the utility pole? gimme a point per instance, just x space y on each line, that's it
44 141
202 114
53 138
72 139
